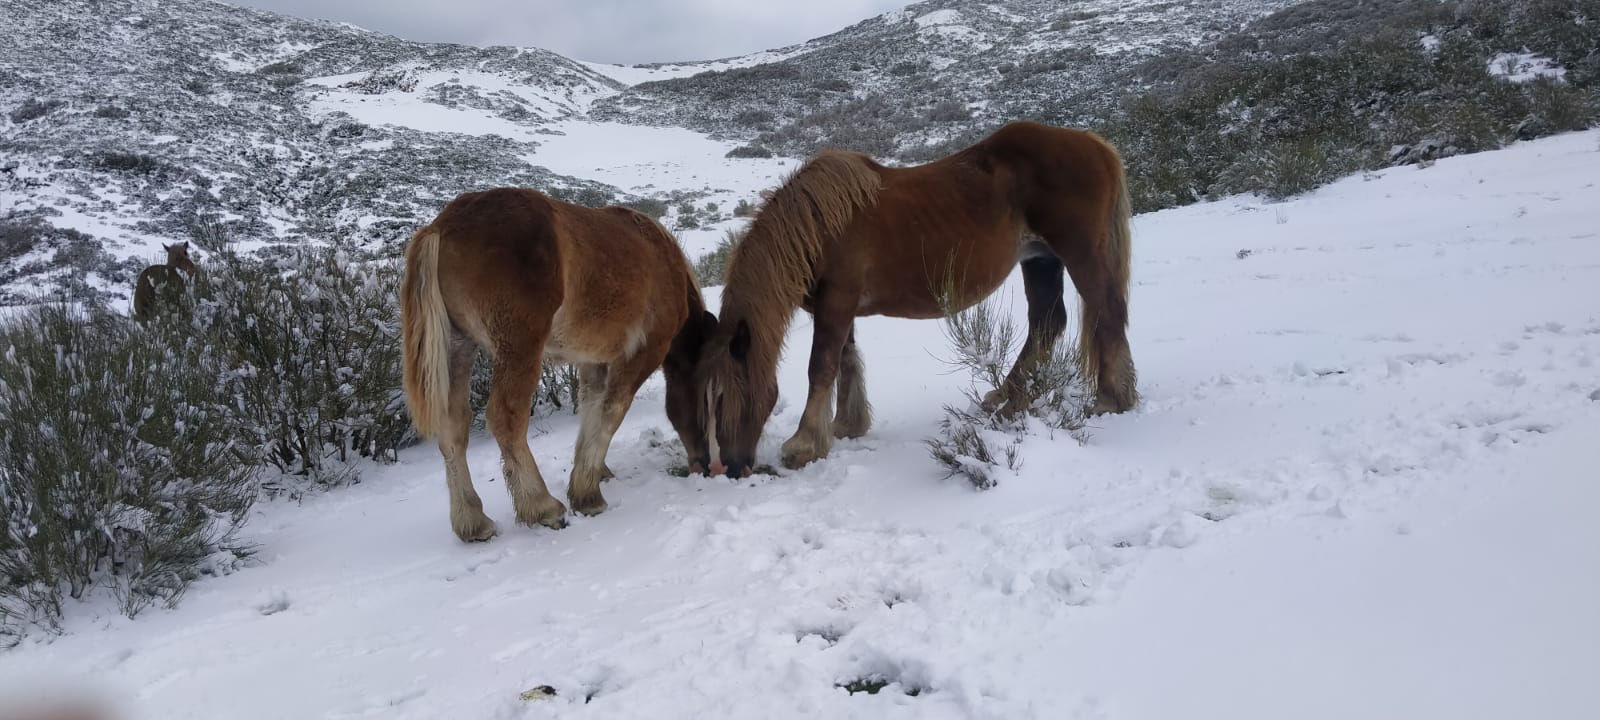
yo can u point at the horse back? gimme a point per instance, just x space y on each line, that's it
595 281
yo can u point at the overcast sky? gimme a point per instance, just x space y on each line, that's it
615 31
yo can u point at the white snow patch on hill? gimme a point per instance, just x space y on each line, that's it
1525 67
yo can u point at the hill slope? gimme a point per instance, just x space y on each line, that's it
128 123
1362 473
132 120
938 66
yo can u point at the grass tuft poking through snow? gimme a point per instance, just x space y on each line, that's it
978 439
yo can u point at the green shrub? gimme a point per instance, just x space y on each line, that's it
311 350
130 163
749 151
653 207
120 468
949 111
712 266
33 109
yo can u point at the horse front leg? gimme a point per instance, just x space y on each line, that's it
854 418
814 437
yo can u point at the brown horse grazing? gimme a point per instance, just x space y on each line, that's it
162 283
530 279
845 237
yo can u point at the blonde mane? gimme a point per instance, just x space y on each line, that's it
771 270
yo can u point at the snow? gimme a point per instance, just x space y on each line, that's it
413 110
645 159
939 17
1360 484
1525 67
635 74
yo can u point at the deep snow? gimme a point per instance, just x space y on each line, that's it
1361 484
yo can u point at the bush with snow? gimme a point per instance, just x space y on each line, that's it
309 347
975 441
712 266
132 451
122 467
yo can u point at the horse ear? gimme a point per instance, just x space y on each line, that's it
708 322
739 344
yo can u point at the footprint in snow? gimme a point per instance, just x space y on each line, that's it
275 602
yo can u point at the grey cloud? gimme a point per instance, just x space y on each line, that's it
618 31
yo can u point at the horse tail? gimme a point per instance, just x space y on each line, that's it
1118 258
425 335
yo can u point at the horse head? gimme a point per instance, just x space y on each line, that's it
178 257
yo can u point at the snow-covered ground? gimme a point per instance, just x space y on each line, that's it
1362 484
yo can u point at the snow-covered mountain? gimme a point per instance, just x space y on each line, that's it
126 123
131 120
935 68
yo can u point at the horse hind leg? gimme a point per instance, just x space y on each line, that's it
467 518
515 378
602 413
1044 286
1103 352
854 417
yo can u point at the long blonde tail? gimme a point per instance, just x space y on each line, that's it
1119 261
425 336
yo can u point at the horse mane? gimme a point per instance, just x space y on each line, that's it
771 270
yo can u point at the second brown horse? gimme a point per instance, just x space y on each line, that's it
845 237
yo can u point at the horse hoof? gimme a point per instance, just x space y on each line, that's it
796 461
847 432
588 507
479 529
606 474
1109 406
549 513
992 400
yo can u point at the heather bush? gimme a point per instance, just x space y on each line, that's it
713 266
122 467
975 442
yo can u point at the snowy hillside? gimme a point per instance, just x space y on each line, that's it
1361 484
955 62
125 124
128 123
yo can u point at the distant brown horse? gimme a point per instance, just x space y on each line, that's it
845 237
531 279
162 284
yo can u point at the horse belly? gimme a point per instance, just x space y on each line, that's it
591 337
